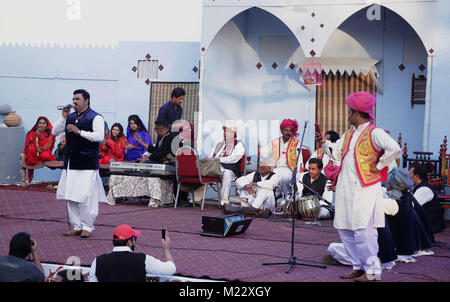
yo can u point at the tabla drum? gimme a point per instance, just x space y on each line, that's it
308 207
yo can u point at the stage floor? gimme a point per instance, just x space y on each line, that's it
240 257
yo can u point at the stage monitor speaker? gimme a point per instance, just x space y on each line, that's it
224 225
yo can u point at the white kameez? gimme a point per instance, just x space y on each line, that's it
355 204
227 175
82 187
282 168
263 197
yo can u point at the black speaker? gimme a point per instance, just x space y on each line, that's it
224 225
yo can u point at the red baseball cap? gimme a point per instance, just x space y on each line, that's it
124 231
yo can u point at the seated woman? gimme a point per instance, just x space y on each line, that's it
138 139
113 146
39 144
60 150
409 228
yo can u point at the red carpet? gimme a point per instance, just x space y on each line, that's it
239 257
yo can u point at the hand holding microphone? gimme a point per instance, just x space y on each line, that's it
65 109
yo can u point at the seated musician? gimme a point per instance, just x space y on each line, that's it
317 181
113 146
39 143
256 189
283 151
330 166
162 152
60 150
230 152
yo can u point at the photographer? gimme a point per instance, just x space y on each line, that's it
123 265
14 267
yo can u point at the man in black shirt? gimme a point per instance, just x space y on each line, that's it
315 179
125 265
161 152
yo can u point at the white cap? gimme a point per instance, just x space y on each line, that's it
268 162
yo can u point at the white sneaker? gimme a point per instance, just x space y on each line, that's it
405 259
423 253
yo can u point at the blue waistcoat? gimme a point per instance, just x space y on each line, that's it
81 153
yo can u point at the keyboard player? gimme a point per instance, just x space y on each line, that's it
163 153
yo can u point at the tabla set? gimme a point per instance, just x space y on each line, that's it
307 207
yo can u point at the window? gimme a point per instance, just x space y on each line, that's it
418 90
148 69
160 94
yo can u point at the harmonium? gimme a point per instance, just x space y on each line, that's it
141 169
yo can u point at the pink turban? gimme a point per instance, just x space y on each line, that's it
363 102
288 123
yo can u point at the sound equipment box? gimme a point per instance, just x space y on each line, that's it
224 225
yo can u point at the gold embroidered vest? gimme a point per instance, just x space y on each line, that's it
364 152
291 151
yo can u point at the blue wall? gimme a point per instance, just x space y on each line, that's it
384 39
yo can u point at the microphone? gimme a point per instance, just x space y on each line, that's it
64 107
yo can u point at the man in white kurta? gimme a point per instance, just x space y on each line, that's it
81 188
230 152
257 192
358 210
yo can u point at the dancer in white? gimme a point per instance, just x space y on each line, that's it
80 183
365 151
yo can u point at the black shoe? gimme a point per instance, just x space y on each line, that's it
186 204
120 199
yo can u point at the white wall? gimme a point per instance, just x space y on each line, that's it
236 90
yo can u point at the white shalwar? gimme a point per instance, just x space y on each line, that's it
282 168
227 175
82 189
263 197
358 209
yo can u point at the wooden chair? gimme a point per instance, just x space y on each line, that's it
435 168
188 172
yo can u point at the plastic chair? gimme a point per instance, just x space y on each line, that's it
188 172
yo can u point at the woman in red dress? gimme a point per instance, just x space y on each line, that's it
113 146
39 144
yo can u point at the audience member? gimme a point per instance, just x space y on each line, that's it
124 265
69 275
410 227
138 139
39 144
60 151
14 267
113 146
426 197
